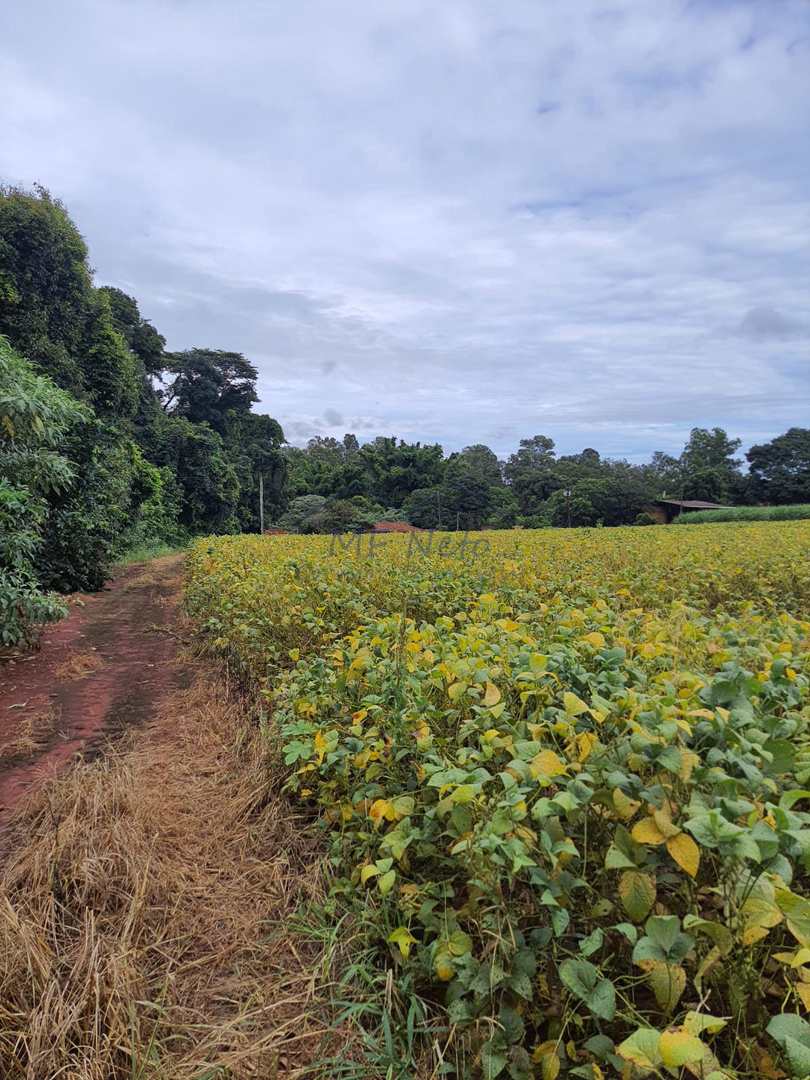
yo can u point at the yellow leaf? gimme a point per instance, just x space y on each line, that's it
625 806
677 1047
663 819
696 1022
547 764
443 966
455 691
585 744
596 639
320 745
647 832
492 695
573 705
382 810
689 759
685 852
668 982
403 938
760 913
549 1067
368 871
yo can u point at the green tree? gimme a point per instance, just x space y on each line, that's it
396 468
34 418
530 472
300 512
709 469
207 480
208 385
49 309
254 443
780 469
140 335
91 523
423 508
476 461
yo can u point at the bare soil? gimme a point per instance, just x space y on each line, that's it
103 670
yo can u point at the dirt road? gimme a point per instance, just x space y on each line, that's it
107 667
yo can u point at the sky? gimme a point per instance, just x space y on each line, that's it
463 222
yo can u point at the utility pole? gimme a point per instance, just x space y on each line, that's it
261 503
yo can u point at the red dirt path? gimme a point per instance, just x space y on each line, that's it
105 668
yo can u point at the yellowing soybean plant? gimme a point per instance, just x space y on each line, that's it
565 777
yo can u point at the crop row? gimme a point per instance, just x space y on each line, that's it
563 774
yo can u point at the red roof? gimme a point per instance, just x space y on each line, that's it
394 527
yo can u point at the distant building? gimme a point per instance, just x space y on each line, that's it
273 530
665 510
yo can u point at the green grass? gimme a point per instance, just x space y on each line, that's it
146 552
796 512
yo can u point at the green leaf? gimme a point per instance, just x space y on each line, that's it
386 882
592 943
459 943
512 1024
586 983
403 938
696 1023
797 912
637 893
641 1048
615 859
493 1060
792 1033
790 798
627 930
403 805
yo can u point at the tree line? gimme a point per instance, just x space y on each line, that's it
109 440
336 485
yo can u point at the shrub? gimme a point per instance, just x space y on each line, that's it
34 416
793 512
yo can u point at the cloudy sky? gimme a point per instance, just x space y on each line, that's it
464 221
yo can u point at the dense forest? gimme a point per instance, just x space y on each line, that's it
109 441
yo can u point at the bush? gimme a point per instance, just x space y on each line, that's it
793 512
34 416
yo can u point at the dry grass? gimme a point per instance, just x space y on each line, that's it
32 734
80 665
144 908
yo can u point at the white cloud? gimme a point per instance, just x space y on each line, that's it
463 222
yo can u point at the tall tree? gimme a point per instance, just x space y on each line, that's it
708 467
397 468
530 472
207 385
140 335
49 309
780 469
254 443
